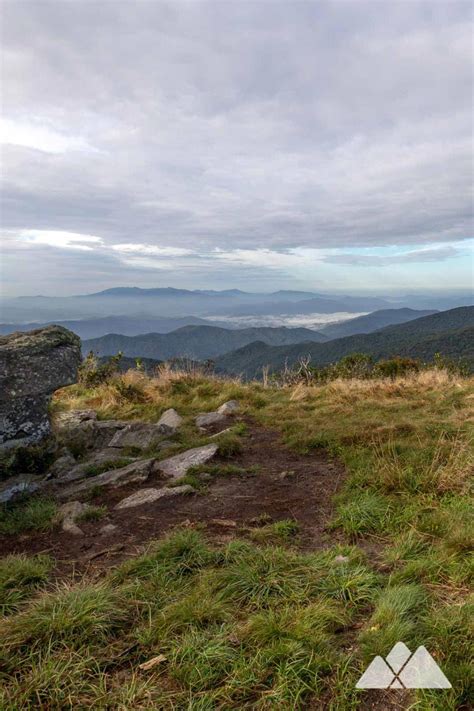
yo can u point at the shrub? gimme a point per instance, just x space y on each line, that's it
92 372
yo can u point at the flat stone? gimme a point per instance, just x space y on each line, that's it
229 408
62 465
148 496
108 529
169 422
177 466
72 418
135 472
137 434
209 418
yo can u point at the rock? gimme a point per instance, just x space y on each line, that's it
147 496
16 486
177 466
137 434
209 418
67 515
137 471
217 434
341 559
108 529
169 422
229 408
32 366
89 434
62 465
72 418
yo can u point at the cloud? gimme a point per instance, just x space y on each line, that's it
435 254
57 238
238 135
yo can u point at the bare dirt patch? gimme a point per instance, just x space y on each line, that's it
275 484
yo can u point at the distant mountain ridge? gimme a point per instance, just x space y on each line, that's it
450 333
373 322
196 342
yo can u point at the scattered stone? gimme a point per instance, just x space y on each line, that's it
67 515
16 486
32 366
226 523
286 474
148 496
340 559
229 408
177 466
135 472
169 422
217 434
108 529
209 418
137 434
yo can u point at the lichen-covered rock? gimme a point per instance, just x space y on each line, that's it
32 366
170 422
229 408
209 418
148 496
177 466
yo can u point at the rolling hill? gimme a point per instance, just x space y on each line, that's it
373 322
196 342
449 332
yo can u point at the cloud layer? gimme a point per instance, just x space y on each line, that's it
226 138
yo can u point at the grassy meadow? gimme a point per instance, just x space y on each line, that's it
262 624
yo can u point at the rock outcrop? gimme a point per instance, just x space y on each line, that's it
32 366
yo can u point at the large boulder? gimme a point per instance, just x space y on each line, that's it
32 366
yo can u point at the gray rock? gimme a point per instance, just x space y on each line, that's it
109 455
15 486
137 434
229 408
89 434
108 529
148 496
138 471
169 422
209 418
32 366
64 464
72 418
177 466
67 515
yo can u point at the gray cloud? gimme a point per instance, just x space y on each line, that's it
264 125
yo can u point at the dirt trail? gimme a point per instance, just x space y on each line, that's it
278 484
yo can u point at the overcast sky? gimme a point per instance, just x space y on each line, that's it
260 145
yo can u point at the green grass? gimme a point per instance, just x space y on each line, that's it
34 513
92 513
257 623
20 577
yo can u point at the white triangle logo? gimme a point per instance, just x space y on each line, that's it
404 670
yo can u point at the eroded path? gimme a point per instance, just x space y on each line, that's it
273 484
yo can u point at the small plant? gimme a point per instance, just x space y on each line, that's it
20 577
92 372
280 531
92 513
33 459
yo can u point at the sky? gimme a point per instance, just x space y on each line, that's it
255 145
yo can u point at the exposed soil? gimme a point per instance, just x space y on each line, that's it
277 484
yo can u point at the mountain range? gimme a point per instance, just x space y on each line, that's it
196 342
176 303
449 332
372 322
